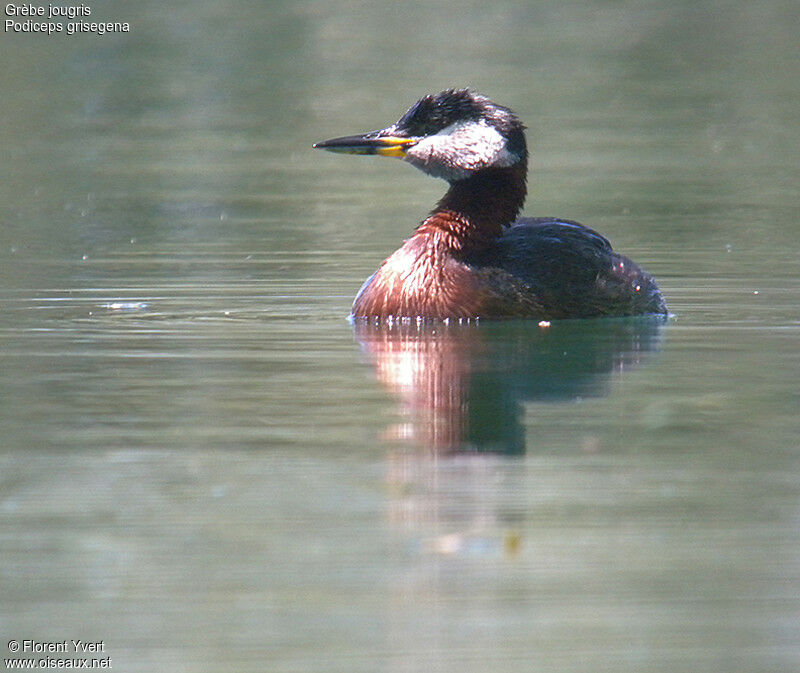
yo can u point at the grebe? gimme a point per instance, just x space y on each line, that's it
470 258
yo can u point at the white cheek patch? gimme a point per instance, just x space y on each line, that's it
461 149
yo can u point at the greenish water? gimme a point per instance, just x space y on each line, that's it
204 465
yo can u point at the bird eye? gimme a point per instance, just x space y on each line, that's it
419 120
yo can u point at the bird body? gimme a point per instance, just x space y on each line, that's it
471 258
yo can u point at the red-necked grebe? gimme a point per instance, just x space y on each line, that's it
471 258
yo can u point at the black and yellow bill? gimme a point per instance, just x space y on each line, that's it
369 143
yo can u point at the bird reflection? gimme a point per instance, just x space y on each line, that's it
461 386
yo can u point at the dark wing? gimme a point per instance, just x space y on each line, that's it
573 271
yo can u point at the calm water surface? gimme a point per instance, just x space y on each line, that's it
204 465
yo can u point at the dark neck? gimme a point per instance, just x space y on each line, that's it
474 211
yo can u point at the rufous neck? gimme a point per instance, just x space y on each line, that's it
475 210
